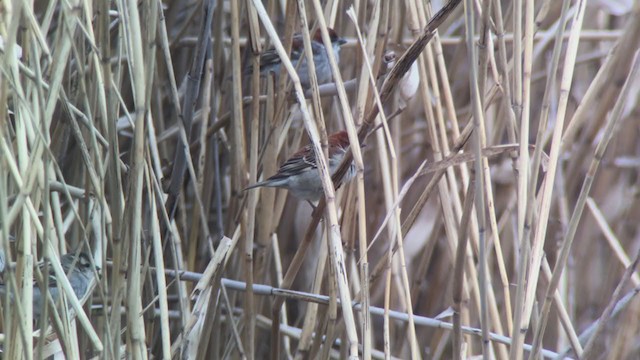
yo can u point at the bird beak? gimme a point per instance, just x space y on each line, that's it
341 41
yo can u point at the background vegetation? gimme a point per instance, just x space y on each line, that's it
494 214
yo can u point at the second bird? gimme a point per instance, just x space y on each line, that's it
270 61
79 272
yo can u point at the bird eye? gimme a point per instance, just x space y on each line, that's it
84 261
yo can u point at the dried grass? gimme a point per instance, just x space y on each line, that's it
524 110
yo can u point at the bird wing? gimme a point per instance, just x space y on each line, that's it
268 58
301 161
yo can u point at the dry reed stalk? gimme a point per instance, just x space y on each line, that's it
311 314
96 97
162 285
524 304
260 289
249 338
527 181
582 200
523 178
476 84
612 239
590 348
458 277
363 90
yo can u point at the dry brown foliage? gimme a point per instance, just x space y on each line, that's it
494 212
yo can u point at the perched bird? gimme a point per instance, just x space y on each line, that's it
300 175
270 61
79 272
408 85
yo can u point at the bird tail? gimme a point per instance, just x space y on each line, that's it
275 181
259 184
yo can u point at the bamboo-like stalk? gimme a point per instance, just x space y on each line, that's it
363 91
266 290
564 316
590 347
478 120
98 100
539 234
582 200
612 239
619 305
249 338
182 155
312 309
132 240
449 40
336 254
458 277
614 63
523 178
530 194
162 286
